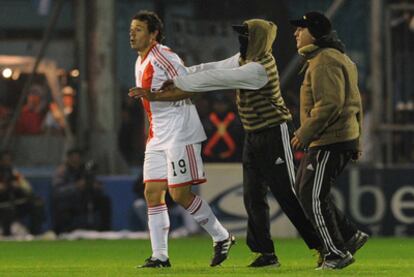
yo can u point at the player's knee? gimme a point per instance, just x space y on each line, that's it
182 196
177 195
153 196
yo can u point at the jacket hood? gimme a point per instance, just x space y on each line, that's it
262 34
331 40
328 41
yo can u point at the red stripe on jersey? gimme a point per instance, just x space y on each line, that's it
146 81
168 69
147 107
165 61
171 51
158 58
146 55
147 75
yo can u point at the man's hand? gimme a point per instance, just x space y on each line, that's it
167 85
356 156
296 144
137 93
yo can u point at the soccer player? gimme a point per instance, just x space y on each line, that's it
267 156
173 150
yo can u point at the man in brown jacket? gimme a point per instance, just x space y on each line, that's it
330 131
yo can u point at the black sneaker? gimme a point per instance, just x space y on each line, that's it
337 263
221 250
263 260
153 262
356 242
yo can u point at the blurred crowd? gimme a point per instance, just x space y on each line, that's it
39 114
78 201
77 197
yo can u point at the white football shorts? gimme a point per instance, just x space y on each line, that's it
179 166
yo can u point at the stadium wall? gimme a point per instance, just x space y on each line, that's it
379 200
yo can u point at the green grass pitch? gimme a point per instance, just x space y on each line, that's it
191 257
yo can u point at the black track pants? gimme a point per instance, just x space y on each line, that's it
268 165
317 173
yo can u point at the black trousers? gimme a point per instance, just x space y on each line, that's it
19 207
81 209
268 164
317 173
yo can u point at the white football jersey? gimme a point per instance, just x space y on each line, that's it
170 123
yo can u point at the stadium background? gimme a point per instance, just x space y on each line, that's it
87 56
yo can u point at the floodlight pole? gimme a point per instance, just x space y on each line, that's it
377 92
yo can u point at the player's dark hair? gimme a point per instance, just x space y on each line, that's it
153 21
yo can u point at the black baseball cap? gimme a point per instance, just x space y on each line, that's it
241 29
317 23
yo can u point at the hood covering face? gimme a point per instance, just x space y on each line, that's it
262 34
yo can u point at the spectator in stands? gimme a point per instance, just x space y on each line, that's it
17 201
79 201
33 112
56 119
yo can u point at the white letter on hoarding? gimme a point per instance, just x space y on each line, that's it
398 204
355 194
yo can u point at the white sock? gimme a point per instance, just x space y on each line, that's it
159 225
203 214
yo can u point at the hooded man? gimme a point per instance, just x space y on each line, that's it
267 156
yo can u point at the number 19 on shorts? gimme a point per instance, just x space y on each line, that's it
178 167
